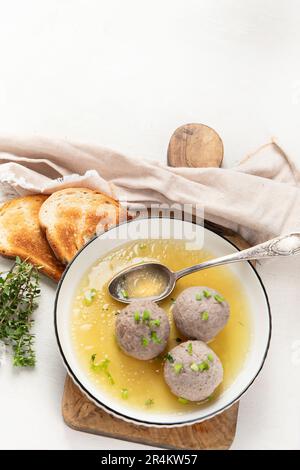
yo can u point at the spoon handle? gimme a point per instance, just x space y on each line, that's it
286 245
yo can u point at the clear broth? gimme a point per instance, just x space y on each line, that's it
93 326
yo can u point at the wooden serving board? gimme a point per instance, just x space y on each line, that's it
193 145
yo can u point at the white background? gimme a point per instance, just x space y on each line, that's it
125 74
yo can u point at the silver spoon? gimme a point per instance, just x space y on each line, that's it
281 246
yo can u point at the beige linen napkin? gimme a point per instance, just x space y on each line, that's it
259 197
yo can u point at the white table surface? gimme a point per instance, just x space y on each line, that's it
125 75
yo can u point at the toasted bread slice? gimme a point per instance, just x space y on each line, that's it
21 235
70 217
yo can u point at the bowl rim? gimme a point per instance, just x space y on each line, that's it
120 415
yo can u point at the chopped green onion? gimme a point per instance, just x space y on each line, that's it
154 323
183 401
146 315
124 294
89 297
102 367
203 366
149 402
178 368
219 298
204 316
124 393
155 338
198 297
206 294
194 367
210 357
145 342
190 348
173 300
169 357
137 316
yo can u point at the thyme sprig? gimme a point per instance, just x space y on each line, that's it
19 290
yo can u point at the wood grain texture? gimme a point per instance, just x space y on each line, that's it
81 414
195 145
191 145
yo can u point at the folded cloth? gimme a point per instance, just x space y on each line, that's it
259 197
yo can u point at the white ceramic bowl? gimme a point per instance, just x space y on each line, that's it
259 308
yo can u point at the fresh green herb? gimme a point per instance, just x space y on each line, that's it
219 298
190 348
210 357
178 368
124 294
206 294
168 357
137 317
205 316
146 315
154 323
145 342
149 402
102 367
89 297
183 401
203 366
198 297
178 340
173 300
19 290
194 367
154 338
124 393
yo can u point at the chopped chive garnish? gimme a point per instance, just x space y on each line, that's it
210 357
124 393
183 401
198 297
173 300
154 323
155 338
145 342
124 294
194 367
178 368
204 316
219 298
178 340
146 315
89 297
149 402
102 367
137 316
203 366
206 294
168 357
110 379
190 349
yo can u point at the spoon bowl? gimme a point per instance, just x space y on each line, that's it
118 284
